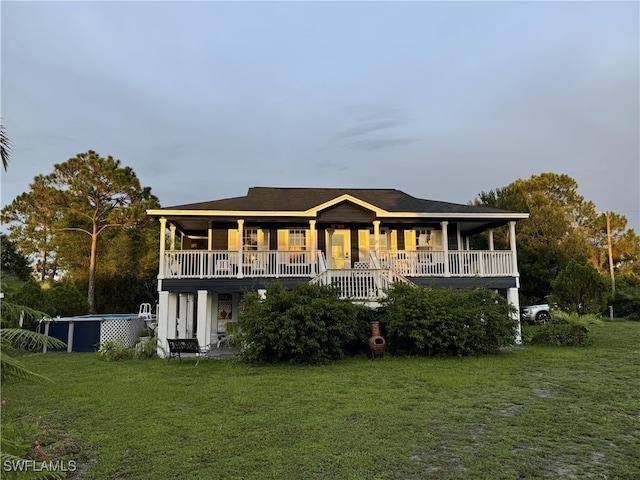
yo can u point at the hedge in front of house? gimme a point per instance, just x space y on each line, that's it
307 325
564 330
438 322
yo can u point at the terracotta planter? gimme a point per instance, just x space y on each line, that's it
377 343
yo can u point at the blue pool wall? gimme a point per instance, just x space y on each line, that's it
88 332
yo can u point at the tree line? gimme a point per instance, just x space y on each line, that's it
563 227
86 223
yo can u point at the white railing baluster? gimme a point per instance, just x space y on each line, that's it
280 263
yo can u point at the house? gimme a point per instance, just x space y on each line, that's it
362 240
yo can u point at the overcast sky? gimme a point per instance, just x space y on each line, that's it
441 100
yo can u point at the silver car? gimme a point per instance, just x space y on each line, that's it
537 313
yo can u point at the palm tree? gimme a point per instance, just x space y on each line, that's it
11 339
5 147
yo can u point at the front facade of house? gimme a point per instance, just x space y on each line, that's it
361 240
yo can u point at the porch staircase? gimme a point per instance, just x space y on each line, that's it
365 284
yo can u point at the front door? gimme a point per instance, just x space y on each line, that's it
340 242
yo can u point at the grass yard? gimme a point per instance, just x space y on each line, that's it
534 412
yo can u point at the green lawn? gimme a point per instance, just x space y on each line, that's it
533 412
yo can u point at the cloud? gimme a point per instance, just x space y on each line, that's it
365 128
379 142
367 124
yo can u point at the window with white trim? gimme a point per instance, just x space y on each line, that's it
424 239
297 239
250 239
384 239
297 242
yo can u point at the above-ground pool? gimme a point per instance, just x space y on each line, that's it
87 332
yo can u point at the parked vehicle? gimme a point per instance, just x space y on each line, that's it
537 313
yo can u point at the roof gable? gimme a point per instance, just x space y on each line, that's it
346 211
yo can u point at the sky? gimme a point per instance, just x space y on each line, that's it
442 100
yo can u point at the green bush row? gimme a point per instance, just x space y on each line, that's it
311 325
436 322
306 325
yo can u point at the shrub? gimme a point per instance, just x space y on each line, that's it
146 348
66 300
564 330
423 321
626 302
307 325
63 299
31 295
580 289
560 335
113 351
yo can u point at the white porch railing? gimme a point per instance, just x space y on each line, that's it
277 263
458 263
227 264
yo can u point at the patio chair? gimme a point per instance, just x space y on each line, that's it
258 267
222 267
229 334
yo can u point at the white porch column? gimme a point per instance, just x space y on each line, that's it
514 300
166 320
313 240
512 243
190 315
172 238
376 237
163 232
204 318
445 247
329 256
459 237
240 235
491 245
183 315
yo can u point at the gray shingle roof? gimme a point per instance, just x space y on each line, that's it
301 199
